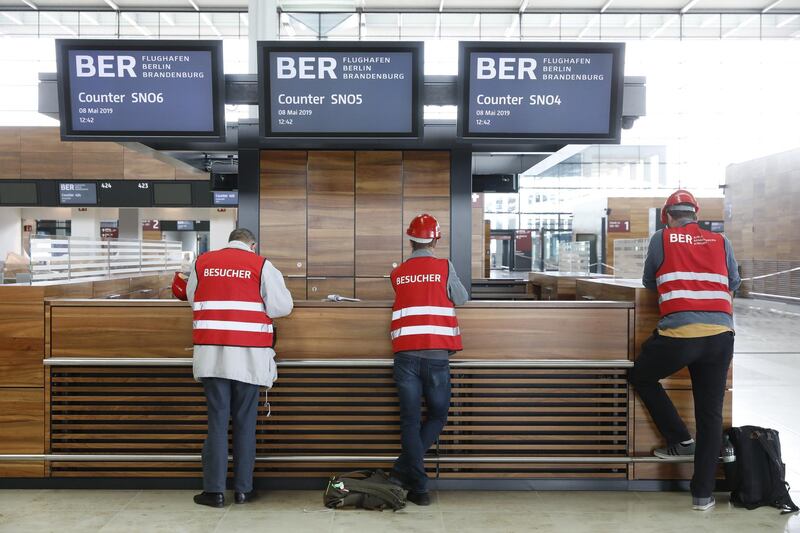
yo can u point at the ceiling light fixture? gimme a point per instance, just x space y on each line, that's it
688 6
30 4
773 5
194 5
606 6
112 5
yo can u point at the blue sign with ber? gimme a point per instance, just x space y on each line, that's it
146 91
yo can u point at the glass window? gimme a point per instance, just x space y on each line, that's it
613 26
662 26
58 23
461 25
99 24
377 26
18 23
419 25
580 26
186 26
541 27
500 26
705 26
780 26
741 26
139 25
214 25
342 26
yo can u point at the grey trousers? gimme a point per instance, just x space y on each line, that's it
228 399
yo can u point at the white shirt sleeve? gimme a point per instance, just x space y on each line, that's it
277 298
191 285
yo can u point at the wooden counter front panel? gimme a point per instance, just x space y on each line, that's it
374 289
21 420
646 436
21 336
379 212
331 213
283 210
297 287
108 331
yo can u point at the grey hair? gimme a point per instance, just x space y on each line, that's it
242 235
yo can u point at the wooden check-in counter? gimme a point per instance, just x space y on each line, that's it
539 392
678 386
557 285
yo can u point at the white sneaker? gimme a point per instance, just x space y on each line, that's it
703 504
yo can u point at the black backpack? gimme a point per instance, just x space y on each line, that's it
757 475
365 489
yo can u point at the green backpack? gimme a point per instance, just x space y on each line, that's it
366 489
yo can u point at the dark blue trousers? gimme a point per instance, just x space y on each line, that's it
228 399
416 378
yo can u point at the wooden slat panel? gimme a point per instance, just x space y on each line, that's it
320 288
374 289
119 332
379 213
21 469
283 210
331 215
325 410
21 420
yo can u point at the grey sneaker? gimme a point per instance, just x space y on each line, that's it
703 504
676 451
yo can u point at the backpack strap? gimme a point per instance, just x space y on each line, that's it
785 498
383 493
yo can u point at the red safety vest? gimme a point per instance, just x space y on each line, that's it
423 317
694 274
228 307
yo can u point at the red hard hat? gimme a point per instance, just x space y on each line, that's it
179 286
682 198
424 228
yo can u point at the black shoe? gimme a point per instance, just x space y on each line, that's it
211 499
396 478
420 498
245 497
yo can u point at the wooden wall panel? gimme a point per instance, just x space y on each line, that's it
331 214
647 436
10 165
21 336
379 213
48 140
139 166
98 160
426 189
296 286
21 420
113 331
21 469
283 210
111 287
46 165
374 289
320 288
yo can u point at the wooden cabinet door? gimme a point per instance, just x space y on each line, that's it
283 210
426 189
320 287
296 286
379 212
374 289
331 214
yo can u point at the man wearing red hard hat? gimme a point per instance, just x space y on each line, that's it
424 332
694 272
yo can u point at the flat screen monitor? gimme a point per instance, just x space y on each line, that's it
226 198
547 91
77 193
185 225
346 89
134 90
17 193
172 194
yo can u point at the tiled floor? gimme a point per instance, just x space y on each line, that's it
767 393
452 511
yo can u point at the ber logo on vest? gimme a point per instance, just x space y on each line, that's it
683 238
419 278
226 273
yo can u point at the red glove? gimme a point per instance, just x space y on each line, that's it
179 286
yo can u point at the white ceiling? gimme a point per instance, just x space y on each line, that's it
426 5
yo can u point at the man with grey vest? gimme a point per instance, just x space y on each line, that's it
235 294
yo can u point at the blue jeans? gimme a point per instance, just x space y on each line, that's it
228 399
416 377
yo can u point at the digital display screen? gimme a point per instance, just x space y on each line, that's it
185 225
77 193
541 90
226 197
140 89
172 194
119 193
349 90
12 193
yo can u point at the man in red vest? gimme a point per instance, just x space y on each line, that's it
694 272
424 334
235 294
